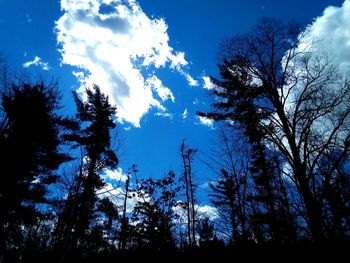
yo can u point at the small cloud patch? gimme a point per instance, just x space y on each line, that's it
37 61
207 84
206 121
185 114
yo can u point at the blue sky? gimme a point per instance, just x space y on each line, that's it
150 56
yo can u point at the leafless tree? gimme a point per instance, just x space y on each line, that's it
301 99
188 155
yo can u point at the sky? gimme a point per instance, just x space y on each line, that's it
153 58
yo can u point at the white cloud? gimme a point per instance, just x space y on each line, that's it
108 190
330 32
206 121
185 114
202 212
191 81
111 50
117 196
164 114
326 41
207 211
115 175
327 38
207 83
163 92
37 61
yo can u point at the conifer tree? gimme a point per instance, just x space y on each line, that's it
29 156
95 119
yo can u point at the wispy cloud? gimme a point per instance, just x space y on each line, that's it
111 49
185 114
163 92
37 61
191 81
164 114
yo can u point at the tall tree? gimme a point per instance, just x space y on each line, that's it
29 155
95 119
299 97
187 155
124 220
230 161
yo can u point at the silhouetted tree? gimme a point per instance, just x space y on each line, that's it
29 155
206 233
187 155
154 215
124 220
95 119
239 194
299 101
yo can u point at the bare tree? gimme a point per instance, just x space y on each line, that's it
124 223
300 98
230 161
188 155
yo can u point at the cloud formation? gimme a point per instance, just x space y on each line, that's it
207 211
326 42
112 48
202 212
191 81
117 196
115 175
327 38
330 32
37 61
207 84
206 121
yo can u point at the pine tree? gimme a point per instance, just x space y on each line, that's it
206 233
239 93
29 155
95 118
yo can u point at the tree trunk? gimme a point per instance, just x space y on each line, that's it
122 241
313 210
191 188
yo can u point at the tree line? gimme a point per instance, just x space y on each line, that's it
61 215
281 163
